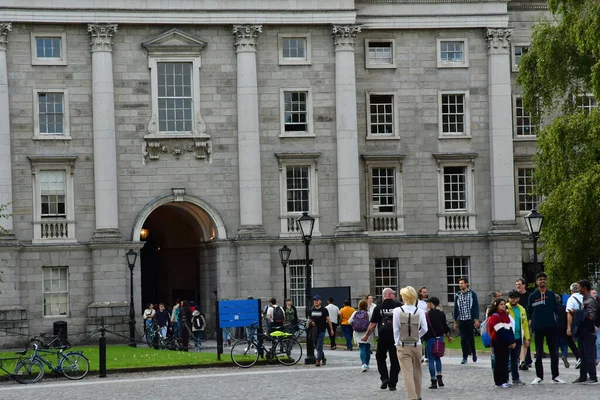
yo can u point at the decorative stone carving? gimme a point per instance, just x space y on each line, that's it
498 40
102 36
178 194
177 146
245 36
5 29
344 36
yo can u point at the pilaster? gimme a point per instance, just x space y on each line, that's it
6 197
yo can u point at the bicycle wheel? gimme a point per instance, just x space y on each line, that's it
244 354
34 342
74 366
28 371
288 351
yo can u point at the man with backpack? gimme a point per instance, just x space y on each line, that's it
275 316
587 335
382 320
574 303
198 326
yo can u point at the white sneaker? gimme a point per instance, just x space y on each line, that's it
364 368
537 381
558 380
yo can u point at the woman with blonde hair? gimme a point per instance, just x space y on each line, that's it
409 326
359 320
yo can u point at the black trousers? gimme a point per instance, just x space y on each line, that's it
385 346
467 337
587 345
501 352
573 346
550 335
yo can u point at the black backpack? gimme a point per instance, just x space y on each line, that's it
197 322
278 316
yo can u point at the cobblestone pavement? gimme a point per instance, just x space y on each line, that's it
340 379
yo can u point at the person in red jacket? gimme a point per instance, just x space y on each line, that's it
503 339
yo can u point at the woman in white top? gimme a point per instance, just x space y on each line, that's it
364 347
408 342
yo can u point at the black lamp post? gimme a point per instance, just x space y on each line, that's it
534 222
306 224
284 254
131 257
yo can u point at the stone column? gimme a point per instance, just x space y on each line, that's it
6 196
346 131
500 125
105 145
251 224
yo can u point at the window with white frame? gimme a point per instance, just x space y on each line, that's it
55 291
518 51
384 193
454 114
586 103
383 190
455 188
175 100
386 275
456 268
452 53
297 281
294 49
51 114
53 193
299 189
380 53
524 126
381 115
48 48
526 200
296 112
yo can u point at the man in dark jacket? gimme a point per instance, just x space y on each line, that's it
466 318
587 335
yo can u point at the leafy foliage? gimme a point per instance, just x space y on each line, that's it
563 62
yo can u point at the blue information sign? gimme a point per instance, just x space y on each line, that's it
238 313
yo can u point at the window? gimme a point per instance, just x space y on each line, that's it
381 116
56 291
299 189
175 97
386 274
526 201
523 123
454 114
294 49
383 183
296 115
53 191
51 114
455 188
518 51
48 49
380 53
586 103
384 198
297 276
456 268
452 53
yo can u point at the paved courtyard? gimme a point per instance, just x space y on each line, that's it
340 379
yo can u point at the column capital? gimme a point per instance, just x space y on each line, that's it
245 37
102 36
5 29
344 36
498 40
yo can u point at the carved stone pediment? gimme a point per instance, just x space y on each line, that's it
174 41
199 146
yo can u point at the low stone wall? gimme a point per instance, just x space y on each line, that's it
14 327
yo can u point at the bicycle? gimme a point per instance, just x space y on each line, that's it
284 348
40 342
26 370
73 364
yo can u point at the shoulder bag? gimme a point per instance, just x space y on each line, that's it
439 346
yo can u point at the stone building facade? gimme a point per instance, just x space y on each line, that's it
196 135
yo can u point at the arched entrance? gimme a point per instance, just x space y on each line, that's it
176 259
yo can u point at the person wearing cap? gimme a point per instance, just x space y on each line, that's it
521 331
437 328
319 318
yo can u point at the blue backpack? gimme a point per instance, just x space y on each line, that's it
486 339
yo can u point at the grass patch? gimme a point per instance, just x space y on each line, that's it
479 345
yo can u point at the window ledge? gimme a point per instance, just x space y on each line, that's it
381 66
531 138
452 65
372 137
295 62
52 137
451 137
297 135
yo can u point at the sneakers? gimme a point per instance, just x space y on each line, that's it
578 363
464 361
364 368
384 384
565 361
558 381
523 366
579 380
504 386
318 363
592 381
537 381
518 382
474 358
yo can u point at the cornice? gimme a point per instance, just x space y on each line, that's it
427 1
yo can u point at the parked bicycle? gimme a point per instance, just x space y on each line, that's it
25 370
47 341
284 348
73 364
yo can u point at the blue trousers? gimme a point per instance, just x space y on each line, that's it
347 329
319 345
365 353
435 363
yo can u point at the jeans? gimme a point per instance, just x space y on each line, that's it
319 345
162 331
176 328
501 351
467 338
563 346
586 342
514 359
332 337
149 331
347 329
550 334
435 363
198 337
598 345
385 346
365 353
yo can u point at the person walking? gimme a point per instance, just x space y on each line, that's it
594 294
521 287
148 316
521 334
162 320
345 314
437 328
175 318
319 318
291 316
409 326
275 316
466 318
186 324
334 315
574 303
358 320
503 340
541 311
198 327
587 335
561 332
382 320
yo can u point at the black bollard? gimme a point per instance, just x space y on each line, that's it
102 352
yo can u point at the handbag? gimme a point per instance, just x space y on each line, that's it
439 346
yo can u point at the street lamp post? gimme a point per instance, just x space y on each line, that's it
131 257
534 222
306 224
284 254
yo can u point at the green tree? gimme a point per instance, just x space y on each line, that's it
561 66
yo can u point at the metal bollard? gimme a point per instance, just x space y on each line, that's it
102 352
